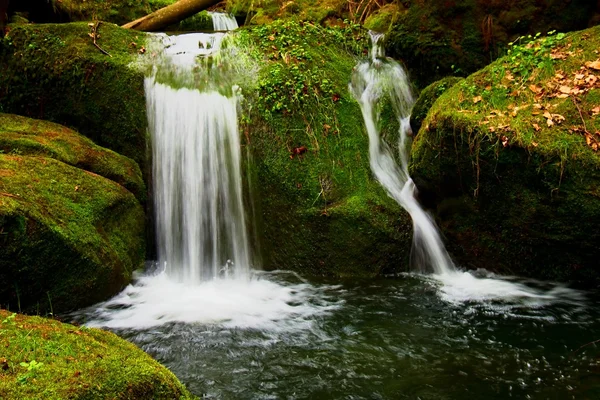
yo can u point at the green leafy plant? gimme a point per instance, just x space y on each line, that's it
32 368
532 51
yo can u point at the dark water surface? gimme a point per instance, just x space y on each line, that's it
391 339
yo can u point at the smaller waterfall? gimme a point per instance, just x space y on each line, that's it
374 82
382 79
223 21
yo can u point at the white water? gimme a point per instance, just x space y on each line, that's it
382 79
223 21
372 83
197 184
204 260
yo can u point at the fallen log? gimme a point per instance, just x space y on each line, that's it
169 15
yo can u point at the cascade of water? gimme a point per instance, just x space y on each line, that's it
223 21
373 82
200 223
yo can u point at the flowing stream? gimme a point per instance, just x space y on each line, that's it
229 331
374 82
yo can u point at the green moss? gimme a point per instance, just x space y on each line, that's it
54 72
426 99
69 237
25 136
321 210
115 11
383 19
46 359
511 188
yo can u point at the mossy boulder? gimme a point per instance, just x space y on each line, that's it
46 359
31 137
70 237
320 209
437 39
427 97
54 72
509 160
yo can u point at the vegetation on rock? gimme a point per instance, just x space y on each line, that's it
46 359
30 137
320 209
426 99
69 237
55 72
511 156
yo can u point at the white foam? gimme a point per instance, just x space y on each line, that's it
255 304
459 287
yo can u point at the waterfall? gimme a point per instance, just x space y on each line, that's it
373 82
223 21
200 222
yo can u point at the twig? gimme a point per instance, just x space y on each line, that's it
9 195
94 35
580 115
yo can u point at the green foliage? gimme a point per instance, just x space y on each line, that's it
532 52
295 75
45 359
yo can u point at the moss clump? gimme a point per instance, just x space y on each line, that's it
509 157
383 19
46 359
69 237
30 137
54 72
321 210
426 99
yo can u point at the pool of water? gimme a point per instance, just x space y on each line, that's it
406 337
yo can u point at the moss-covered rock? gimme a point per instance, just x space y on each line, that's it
70 237
267 11
115 11
509 159
320 209
437 39
427 97
31 137
55 72
46 359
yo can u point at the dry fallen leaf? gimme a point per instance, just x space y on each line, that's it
593 65
565 89
477 99
536 127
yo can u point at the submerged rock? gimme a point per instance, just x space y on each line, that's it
70 237
43 358
509 159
